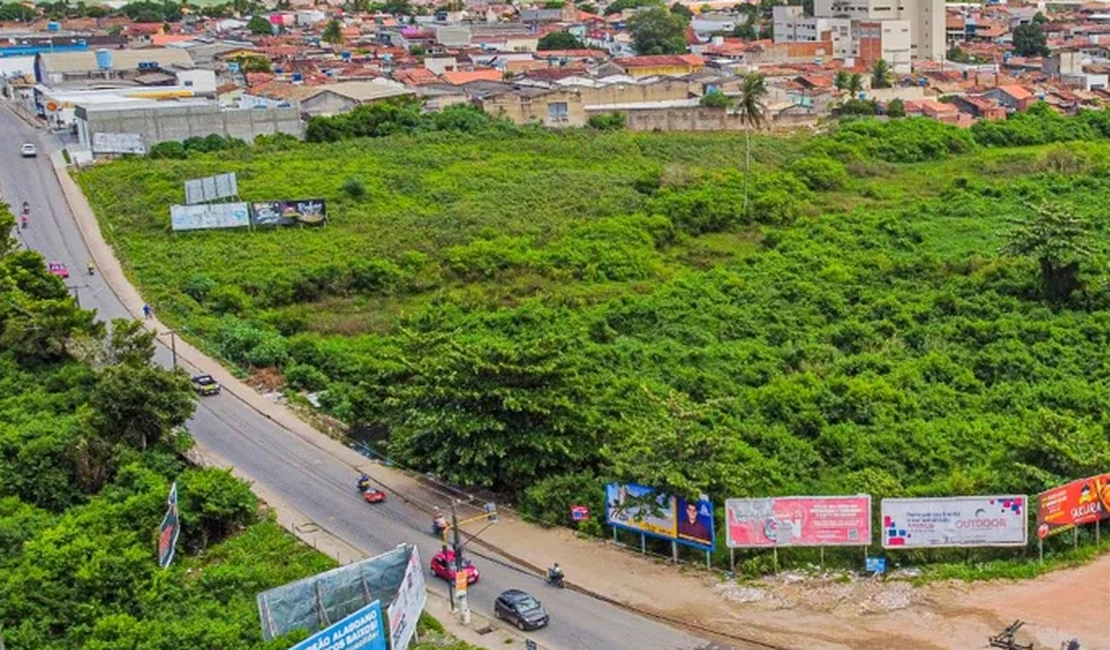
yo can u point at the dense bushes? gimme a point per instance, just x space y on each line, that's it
901 141
181 150
401 116
1038 125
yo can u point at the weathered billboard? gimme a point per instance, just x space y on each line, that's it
213 215
1079 502
648 511
798 521
118 143
308 212
211 188
955 522
405 609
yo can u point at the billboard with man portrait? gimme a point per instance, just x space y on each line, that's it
651 512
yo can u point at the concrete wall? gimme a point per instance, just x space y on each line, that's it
328 103
683 119
179 123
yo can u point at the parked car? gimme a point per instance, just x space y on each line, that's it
29 151
206 385
521 609
58 269
443 565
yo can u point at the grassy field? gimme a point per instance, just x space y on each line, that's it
540 312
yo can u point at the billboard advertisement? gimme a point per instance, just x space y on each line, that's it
214 215
118 143
361 630
955 521
646 510
1079 502
211 188
307 212
798 521
169 530
405 609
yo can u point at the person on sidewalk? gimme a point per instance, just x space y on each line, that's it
147 312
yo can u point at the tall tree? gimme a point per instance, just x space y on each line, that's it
333 33
881 74
657 31
1059 241
1029 40
560 41
750 106
854 85
259 26
840 81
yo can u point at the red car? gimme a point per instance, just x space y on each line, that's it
443 565
58 269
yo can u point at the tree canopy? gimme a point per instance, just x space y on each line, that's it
560 41
657 31
1030 40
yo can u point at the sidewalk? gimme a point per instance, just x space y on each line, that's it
943 618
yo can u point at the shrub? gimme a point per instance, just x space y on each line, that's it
820 173
173 150
305 377
354 188
614 121
908 140
227 299
1038 125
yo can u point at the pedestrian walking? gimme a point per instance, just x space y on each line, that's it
147 312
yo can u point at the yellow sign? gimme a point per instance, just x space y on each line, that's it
460 582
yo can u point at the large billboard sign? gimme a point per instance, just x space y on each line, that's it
118 143
798 521
361 630
213 215
211 188
648 511
1079 502
405 609
169 530
307 212
955 521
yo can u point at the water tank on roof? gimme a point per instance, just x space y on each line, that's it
104 59
345 55
53 27
297 77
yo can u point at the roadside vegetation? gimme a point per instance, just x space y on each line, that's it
90 441
903 308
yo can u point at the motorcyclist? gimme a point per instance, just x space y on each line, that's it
439 523
555 573
91 267
23 221
26 207
363 481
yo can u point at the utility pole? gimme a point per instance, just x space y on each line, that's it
464 606
173 350
76 288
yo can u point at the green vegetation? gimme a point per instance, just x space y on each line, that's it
90 441
560 41
541 312
655 30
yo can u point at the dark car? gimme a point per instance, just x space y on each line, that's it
520 609
206 385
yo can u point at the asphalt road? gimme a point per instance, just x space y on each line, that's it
310 480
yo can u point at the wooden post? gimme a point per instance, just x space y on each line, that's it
732 562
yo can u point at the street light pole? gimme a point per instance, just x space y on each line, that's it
464 606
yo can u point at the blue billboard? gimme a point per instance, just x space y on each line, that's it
649 512
362 630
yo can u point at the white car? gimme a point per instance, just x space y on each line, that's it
29 151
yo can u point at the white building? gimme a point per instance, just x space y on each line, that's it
926 19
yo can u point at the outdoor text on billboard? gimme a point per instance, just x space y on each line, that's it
1079 502
361 630
405 609
798 521
169 530
955 521
308 212
214 215
645 510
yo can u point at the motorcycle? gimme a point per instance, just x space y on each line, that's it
23 221
91 269
558 581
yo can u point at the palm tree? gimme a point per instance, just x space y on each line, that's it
750 107
840 81
333 33
880 74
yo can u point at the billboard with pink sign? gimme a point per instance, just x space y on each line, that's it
798 521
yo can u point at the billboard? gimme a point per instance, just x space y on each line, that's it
405 609
169 530
955 521
798 521
211 188
308 212
361 630
118 143
1079 502
645 510
214 215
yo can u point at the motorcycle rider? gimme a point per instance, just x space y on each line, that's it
363 481
26 207
555 573
91 267
439 524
